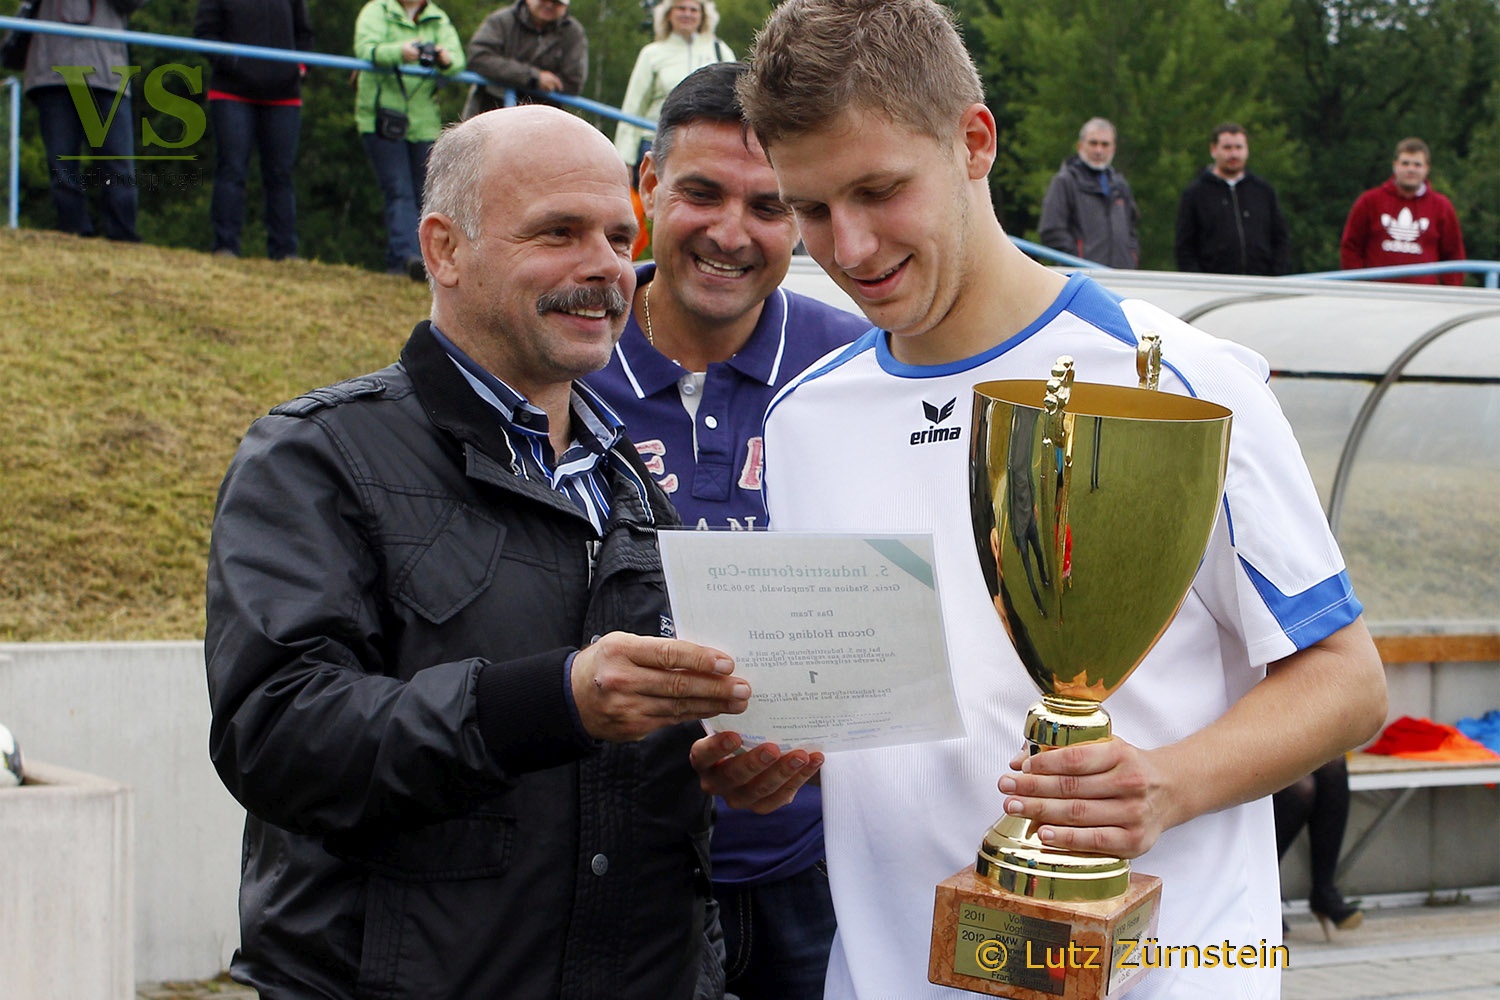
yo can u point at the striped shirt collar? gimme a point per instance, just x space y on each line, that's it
580 472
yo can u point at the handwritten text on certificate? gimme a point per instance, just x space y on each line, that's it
840 636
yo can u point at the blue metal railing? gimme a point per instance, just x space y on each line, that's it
176 42
1489 268
1055 256
292 56
14 86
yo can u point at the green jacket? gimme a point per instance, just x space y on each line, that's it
379 32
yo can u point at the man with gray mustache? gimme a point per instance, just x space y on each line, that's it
440 657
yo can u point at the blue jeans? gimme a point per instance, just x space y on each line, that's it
401 168
63 135
777 935
240 127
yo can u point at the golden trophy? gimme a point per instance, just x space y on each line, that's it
1092 507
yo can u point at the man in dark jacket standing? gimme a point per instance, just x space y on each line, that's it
1089 210
255 103
532 44
439 653
1229 220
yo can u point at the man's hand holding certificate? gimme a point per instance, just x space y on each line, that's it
840 636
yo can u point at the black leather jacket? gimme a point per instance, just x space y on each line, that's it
390 610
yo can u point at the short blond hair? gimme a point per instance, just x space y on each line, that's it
813 60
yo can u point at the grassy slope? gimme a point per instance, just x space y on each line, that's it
130 374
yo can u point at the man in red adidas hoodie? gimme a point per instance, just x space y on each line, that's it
1404 221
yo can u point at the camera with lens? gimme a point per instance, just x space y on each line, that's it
427 54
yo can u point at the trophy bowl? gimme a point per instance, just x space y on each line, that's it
1092 506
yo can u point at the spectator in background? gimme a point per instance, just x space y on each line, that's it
67 130
255 103
1229 220
1089 211
1320 802
398 116
1404 221
533 44
685 41
711 339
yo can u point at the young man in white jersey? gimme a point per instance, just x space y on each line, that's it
872 116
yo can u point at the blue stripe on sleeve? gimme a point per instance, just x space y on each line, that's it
1313 615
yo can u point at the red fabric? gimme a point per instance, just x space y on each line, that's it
288 102
1378 235
1423 739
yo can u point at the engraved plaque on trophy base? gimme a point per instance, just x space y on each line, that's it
987 940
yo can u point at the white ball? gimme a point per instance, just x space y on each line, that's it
10 759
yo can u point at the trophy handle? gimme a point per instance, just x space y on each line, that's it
1148 360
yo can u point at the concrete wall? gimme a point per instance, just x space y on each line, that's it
65 887
137 713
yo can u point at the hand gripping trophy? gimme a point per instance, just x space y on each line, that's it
1093 504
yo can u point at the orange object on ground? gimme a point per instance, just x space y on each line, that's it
1423 739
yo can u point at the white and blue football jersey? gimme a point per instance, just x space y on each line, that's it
862 442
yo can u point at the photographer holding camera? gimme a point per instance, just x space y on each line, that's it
527 45
397 115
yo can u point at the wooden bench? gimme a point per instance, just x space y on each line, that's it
1404 777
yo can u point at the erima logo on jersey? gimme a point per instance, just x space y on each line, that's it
936 415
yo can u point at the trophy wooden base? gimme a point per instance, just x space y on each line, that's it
987 940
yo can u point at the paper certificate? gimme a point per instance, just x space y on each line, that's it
840 636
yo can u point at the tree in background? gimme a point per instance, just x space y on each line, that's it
1164 74
1368 73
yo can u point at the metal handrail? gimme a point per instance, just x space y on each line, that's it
14 128
1489 268
1056 256
295 56
255 52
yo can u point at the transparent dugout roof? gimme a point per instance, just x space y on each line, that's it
1394 394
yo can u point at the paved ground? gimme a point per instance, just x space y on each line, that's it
1403 952
213 989
1451 950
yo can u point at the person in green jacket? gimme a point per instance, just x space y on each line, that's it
397 115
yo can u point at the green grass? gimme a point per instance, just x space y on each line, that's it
130 374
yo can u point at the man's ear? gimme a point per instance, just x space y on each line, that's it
648 183
981 140
442 241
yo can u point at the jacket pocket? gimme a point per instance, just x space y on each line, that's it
475 846
453 565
